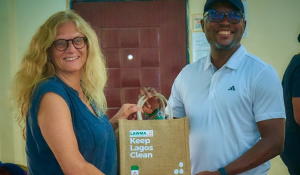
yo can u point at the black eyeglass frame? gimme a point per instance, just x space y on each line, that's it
223 15
84 40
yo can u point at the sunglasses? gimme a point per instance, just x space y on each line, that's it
233 17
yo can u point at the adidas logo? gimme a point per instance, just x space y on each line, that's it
231 88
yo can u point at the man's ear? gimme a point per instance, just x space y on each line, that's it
202 25
244 24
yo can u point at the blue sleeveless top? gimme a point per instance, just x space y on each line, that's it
95 135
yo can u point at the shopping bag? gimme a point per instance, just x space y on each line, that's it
154 147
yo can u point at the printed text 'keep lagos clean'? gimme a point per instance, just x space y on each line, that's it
138 145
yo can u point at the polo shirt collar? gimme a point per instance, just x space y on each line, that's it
233 62
208 62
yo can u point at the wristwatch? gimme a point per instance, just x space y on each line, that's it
222 171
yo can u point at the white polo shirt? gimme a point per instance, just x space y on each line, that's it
223 107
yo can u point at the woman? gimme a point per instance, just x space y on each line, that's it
291 91
59 93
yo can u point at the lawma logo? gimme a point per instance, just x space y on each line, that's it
137 133
141 133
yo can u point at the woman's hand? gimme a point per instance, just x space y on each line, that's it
152 103
127 111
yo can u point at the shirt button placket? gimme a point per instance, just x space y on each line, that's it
213 84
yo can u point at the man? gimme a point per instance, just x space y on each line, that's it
233 100
291 93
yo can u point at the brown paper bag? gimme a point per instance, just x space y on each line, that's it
154 147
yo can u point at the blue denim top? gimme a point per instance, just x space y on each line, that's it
95 135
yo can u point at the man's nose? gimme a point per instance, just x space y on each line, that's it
224 20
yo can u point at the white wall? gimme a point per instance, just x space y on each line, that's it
19 20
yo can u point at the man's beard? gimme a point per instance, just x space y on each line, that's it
224 47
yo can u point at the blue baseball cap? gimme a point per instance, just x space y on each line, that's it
13 169
210 3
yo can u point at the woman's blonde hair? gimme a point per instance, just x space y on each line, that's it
36 67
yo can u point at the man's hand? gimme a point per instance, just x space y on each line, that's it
152 103
209 173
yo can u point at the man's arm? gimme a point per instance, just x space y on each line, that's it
267 101
296 107
269 146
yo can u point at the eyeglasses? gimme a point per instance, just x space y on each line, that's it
233 17
62 44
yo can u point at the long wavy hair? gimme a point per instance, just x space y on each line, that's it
36 67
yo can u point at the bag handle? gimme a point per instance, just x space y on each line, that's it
143 99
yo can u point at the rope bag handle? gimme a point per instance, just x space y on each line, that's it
143 99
